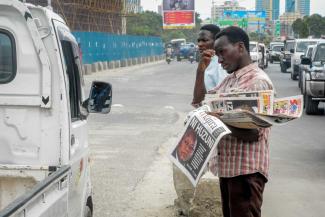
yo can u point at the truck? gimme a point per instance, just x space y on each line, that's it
285 56
44 152
313 78
298 50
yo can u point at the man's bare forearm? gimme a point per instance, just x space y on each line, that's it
199 87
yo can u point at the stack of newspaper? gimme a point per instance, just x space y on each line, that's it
254 109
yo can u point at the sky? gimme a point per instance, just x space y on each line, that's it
203 7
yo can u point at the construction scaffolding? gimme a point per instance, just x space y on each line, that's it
89 15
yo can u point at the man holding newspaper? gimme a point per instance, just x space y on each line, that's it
232 128
241 159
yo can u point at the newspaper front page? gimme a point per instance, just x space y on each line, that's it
249 110
194 148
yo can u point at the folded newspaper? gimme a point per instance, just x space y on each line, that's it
256 109
195 146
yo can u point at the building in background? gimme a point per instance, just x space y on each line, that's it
286 21
303 7
290 6
259 5
217 11
298 6
272 8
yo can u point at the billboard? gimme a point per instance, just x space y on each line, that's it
178 14
251 21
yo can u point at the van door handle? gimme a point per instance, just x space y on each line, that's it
73 140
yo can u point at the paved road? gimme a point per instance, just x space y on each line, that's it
131 174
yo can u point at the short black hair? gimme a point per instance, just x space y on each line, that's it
234 35
214 29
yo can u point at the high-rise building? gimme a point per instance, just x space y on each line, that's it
275 9
217 10
290 6
272 8
259 5
286 21
298 6
303 7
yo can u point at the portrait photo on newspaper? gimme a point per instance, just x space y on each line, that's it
195 145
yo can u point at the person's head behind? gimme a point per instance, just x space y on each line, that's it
207 36
232 48
187 145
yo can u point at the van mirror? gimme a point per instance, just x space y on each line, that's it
305 61
282 49
292 50
100 98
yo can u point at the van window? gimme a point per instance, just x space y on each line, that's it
8 63
73 79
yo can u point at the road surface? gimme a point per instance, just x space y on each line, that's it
131 174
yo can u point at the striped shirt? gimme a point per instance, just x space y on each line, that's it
234 157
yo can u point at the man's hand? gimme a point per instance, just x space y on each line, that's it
206 58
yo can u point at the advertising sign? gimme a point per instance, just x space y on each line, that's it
251 21
178 14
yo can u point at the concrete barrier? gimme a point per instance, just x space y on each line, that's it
129 62
124 63
105 65
139 60
87 69
100 66
111 64
134 61
94 67
117 63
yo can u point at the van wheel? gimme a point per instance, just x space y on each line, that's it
310 105
88 212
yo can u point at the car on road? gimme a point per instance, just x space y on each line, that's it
313 80
299 49
264 63
285 56
275 51
186 51
303 68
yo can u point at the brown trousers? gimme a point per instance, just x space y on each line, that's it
242 196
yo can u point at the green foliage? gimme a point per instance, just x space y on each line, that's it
313 25
150 24
147 23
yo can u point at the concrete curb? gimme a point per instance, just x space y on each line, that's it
105 65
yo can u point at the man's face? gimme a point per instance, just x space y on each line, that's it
186 147
228 54
205 40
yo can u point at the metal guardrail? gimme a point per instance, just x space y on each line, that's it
22 201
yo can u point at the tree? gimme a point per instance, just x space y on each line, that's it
313 25
146 23
150 23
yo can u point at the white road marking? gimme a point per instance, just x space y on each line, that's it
169 107
118 105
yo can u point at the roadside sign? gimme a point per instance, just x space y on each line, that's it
178 14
